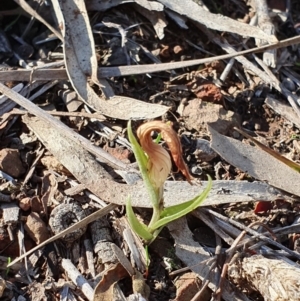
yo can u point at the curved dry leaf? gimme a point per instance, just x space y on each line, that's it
78 35
156 17
105 289
81 62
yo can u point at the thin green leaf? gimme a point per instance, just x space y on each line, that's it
147 257
138 227
142 160
177 208
172 213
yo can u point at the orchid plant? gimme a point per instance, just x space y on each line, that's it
155 166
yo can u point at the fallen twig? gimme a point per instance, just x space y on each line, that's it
104 72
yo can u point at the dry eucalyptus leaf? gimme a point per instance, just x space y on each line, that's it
283 110
81 63
104 5
150 5
73 16
192 10
51 163
256 162
89 172
157 18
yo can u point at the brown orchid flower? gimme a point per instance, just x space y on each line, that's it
159 163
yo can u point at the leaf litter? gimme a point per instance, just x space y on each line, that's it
66 171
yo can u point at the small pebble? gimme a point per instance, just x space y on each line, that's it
235 134
196 170
203 150
289 84
257 126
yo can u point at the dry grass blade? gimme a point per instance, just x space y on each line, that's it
252 232
276 155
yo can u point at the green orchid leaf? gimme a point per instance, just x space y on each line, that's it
142 161
174 212
138 227
177 208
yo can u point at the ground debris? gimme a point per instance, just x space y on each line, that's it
274 279
198 113
77 77
10 162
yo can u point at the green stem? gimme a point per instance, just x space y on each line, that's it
157 209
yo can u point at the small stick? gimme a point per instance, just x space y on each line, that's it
103 72
265 23
282 231
66 114
77 278
218 292
89 256
252 232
